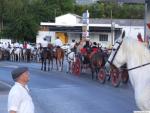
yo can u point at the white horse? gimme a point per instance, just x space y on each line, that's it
70 55
137 57
18 54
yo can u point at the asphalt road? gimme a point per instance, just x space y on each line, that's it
59 92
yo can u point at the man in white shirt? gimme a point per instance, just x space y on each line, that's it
16 45
58 43
72 44
19 98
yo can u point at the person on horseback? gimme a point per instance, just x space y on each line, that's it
16 44
94 47
72 46
58 43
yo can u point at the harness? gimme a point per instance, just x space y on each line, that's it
111 62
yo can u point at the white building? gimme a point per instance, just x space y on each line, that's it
70 26
68 19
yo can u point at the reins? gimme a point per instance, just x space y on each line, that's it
136 67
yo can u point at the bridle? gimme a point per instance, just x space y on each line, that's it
116 51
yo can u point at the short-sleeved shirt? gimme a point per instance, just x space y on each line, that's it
72 45
58 42
19 99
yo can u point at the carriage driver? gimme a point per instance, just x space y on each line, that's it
58 43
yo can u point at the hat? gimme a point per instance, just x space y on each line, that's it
94 43
18 71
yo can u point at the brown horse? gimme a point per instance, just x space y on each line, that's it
59 56
97 61
47 54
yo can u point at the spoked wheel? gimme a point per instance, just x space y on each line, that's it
102 75
124 76
77 68
115 77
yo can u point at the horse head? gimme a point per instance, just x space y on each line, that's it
118 56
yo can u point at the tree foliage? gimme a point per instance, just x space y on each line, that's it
20 19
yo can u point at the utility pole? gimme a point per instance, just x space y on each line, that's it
85 27
112 30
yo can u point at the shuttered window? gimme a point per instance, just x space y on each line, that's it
103 37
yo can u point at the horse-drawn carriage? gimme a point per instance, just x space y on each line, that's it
96 63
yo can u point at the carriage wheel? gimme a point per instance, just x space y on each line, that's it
77 68
115 77
101 76
124 76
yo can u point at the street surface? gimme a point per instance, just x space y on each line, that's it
59 92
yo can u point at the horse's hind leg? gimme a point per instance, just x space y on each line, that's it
52 64
62 65
44 64
48 64
56 64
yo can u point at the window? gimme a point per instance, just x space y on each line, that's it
103 37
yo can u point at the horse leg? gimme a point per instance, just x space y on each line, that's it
62 65
92 70
42 63
56 64
49 64
45 64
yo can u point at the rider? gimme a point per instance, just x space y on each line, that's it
58 43
16 45
72 46
94 47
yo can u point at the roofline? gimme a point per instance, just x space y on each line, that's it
71 14
80 25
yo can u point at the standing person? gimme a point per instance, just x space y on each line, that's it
58 43
19 98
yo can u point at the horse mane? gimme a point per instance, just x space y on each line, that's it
139 51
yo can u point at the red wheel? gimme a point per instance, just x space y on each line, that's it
77 68
124 76
101 76
115 77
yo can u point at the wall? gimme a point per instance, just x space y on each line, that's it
42 34
66 19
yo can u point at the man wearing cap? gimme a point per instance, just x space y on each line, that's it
19 98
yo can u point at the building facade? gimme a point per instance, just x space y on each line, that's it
69 27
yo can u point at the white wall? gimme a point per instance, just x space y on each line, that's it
67 19
42 34
75 36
